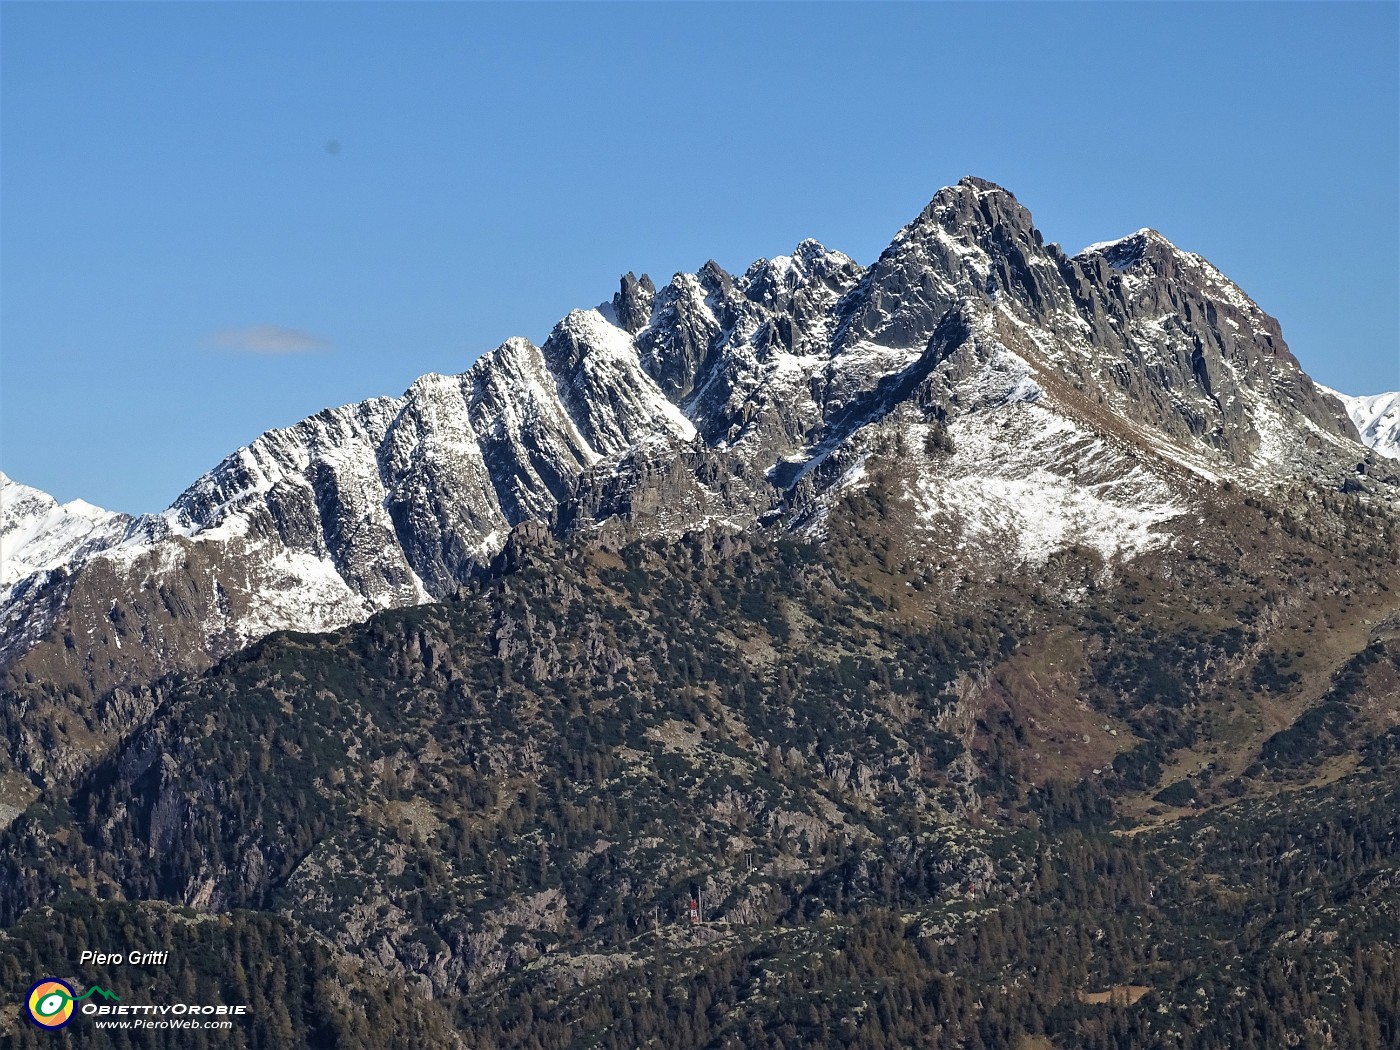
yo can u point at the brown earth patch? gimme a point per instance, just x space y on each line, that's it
1118 995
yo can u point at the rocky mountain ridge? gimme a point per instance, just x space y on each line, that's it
1044 400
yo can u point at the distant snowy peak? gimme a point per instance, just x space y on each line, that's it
1377 419
37 533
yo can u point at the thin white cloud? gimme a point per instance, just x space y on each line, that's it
267 339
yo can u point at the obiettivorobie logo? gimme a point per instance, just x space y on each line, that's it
50 1001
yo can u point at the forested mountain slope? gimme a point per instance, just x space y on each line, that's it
915 803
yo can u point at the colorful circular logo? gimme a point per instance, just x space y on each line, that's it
50 1003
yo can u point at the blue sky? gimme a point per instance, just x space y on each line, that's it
220 218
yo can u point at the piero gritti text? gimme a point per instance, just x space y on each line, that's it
135 958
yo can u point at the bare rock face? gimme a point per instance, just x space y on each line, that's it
632 303
999 363
1198 358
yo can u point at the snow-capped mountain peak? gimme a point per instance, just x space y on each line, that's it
37 533
1377 419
